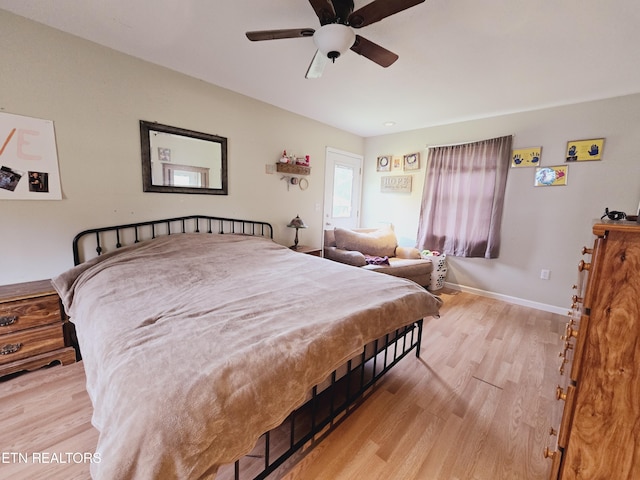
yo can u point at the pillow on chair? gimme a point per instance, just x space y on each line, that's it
380 243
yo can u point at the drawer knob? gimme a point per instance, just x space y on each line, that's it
6 321
560 395
549 453
583 266
576 299
553 431
587 251
10 348
569 332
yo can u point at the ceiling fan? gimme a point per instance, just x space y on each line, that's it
335 35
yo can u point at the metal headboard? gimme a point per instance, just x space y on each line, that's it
120 235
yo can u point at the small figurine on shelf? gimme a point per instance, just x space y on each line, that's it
284 158
304 161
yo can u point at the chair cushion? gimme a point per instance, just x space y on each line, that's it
380 243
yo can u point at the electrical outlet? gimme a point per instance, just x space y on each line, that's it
545 274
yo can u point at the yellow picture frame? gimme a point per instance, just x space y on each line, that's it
551 176
584 150
526 157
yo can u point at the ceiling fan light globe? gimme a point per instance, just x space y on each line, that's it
334 39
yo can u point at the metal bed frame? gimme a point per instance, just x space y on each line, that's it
327 407
135 232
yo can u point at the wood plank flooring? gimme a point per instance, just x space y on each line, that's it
477 405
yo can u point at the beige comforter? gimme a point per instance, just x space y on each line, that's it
194 345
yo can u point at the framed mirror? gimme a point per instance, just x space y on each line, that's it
176 160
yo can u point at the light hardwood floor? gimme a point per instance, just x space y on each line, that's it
477 405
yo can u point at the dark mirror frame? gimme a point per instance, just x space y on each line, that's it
145 143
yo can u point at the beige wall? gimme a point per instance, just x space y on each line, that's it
96 97
542 227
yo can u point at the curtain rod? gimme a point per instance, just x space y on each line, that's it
462 143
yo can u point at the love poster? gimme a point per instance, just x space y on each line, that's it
28 159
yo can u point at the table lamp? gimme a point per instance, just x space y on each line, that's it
296 223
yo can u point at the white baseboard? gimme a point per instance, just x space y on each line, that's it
507 298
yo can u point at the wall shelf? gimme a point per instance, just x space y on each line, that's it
294 169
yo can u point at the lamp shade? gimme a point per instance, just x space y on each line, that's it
297 223
334 39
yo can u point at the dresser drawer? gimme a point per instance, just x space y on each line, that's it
31 312
24 344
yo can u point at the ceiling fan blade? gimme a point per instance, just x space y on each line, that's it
317 65
325 11
276 34
373 52
379 9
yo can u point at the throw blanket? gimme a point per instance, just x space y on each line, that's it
374 260
196 344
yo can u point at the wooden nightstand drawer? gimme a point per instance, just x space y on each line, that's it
19 345
28 313
32 328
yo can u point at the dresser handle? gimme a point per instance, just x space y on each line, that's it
6 321
10 348
560 395
569 332
549 453
587 251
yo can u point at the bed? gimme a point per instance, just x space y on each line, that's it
200 335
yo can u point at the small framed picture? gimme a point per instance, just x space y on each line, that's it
164 154
584 150
412 161
397 163
384 163
526 157
551 176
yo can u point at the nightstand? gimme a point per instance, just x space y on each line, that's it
31 328
315 251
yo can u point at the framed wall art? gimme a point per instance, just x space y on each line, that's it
551 176
584 150
384 163
412 161
396 184
526 157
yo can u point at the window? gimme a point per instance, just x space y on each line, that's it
463 198
342 191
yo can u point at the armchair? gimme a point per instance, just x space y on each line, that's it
377 250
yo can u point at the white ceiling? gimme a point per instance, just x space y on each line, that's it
459 59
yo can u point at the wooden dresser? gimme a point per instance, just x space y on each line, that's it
32 331
598 436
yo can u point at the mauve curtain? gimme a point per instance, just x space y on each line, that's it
463 198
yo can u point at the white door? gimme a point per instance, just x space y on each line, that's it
342 187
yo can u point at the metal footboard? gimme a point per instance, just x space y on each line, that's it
326 409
